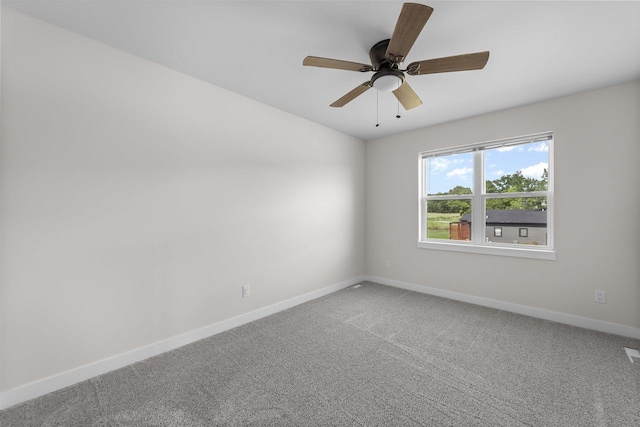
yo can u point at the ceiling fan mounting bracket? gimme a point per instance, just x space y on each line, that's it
414 69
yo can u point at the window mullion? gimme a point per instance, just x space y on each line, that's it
518 194
477 205
451 197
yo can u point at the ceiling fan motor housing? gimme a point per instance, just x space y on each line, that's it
377 56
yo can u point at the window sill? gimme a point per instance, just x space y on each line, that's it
524 252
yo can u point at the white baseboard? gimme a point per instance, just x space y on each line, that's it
65 379
569 319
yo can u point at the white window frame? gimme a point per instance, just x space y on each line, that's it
477 244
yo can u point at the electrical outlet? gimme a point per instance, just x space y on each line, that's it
387 263
600 296
245 291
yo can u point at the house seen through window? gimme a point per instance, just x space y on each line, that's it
494 197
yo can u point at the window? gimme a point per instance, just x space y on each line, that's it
494 198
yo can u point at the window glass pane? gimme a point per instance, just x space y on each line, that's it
452 174
521 220
449 219
517 168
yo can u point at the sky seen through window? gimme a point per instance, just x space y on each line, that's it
447 172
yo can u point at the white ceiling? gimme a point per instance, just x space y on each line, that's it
539 50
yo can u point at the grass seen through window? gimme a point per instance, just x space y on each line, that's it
438 224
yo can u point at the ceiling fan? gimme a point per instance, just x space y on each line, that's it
388 55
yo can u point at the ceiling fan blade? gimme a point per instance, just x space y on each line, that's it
469 61
410 22
407 96
314 61
352 95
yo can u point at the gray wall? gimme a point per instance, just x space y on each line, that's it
136 201
597 151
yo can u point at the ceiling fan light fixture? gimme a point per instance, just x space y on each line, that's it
387 83
387 80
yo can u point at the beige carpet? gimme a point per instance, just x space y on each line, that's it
366 356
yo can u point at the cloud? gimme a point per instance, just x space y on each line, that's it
535 171
438 164
503 149
498 173
540 148
460 172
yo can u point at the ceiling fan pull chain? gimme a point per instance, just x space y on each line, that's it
377 109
